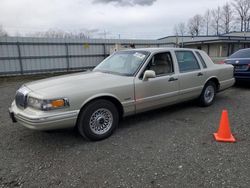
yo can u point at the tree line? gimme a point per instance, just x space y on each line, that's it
56 33
233 16
51 33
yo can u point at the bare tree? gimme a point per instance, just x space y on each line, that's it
195 25
3 33
51 33
175 30
226 17
207 19
179 29
248 22
242 8
182 28
216 20
55 33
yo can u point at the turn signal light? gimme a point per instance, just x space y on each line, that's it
57 103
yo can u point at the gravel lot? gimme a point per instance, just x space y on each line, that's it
170 147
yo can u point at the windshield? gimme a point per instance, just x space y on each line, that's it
123 62
241 54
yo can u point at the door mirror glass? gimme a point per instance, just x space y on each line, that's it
148 74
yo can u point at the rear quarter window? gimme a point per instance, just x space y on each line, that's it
201 59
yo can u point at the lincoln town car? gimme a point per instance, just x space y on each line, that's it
127 82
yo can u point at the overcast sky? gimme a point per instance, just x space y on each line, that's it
129 18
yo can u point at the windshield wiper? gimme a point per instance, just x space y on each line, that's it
112 72
106 71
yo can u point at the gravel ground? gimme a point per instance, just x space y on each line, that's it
170 147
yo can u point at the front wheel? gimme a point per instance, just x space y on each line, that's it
98 120
208 94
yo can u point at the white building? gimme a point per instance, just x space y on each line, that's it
217 47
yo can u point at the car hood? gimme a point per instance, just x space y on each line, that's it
72 83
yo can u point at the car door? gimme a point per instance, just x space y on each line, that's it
191 76
161 90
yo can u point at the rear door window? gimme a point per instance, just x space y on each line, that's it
187 61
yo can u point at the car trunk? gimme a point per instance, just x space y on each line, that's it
240 65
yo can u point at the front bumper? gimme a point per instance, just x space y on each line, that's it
38 121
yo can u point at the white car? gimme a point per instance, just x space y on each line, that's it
126 83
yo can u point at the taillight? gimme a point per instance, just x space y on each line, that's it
221 62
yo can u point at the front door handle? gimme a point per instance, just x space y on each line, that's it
171 79
200 74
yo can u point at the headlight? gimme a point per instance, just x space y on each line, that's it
47 104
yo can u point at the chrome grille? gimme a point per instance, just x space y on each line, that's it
21 99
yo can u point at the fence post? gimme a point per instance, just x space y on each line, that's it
104 50
67 55
20 57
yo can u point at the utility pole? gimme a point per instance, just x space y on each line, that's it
105 34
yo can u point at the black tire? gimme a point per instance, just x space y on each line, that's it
95 116
203 99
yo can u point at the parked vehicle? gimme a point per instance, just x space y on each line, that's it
126 83
241 62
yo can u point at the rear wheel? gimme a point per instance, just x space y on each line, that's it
208 94
98 120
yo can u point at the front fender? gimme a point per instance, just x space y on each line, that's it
99 96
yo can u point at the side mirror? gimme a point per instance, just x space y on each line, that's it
148 74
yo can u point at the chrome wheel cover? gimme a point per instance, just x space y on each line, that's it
101 121
209 94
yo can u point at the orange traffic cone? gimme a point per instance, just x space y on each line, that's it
224 132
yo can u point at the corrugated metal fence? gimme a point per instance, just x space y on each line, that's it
22 55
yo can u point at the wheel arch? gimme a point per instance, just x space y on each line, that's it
107 97
215 80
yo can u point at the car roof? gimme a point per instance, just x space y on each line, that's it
243 49
151 50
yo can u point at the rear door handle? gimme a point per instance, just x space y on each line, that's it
200 74
171 79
